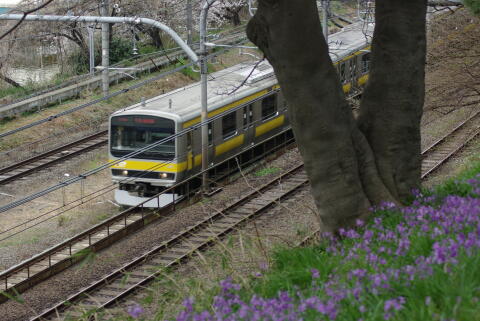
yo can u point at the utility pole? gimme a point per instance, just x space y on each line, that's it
105 48
203 81
325 11
91 47
189 22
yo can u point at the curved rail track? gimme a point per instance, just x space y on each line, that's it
441 150
28 273
29 166
438 153
50 262
136 274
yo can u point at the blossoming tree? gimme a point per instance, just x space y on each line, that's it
352 163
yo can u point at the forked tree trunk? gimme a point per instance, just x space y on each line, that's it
392 104
338 157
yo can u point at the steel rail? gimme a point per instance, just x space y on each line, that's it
145 268
442 150
111 95
4 179
30 272
429 168
124 218
166 56
52 157
153 275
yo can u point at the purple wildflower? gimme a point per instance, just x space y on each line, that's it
135 310
315 273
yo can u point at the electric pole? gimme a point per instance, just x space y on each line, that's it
105 48
189 22
91 47
325 11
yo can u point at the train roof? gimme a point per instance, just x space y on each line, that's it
185 103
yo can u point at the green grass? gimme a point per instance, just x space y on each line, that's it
449 292
13 91
458 185
453 291
267 171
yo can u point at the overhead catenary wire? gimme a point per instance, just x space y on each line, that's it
108 188
114 94
121 159
93 102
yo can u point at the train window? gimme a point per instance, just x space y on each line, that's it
210 133
269 106
189 139
229 125
343 76
365 63
353 67
247 115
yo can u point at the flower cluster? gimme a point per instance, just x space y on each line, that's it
399 247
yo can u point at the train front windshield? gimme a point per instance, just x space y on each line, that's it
133 132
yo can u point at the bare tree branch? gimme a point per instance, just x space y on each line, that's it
10 81
25 13
246 78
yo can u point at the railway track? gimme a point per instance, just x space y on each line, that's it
441 150
113 288
437 153
31 165
34 164
133 276
31 272
28 273
50 262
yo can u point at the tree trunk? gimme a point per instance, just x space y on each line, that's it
10 81
155 36
338 157
392 103
233 15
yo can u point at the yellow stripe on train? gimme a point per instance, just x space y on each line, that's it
362 80
227 107
268 126
229 144
151 166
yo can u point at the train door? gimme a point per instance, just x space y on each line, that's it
190 156
353 71
343 73
248 124
213 140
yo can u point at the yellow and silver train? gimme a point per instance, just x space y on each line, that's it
252 114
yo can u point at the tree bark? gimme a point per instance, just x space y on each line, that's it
392 102
336 156
340 159
154 34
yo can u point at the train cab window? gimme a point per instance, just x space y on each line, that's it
269 106
343 75
229 125
130 133
210 133
365 63
247 115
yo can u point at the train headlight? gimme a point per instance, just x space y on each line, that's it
163 175
125 173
